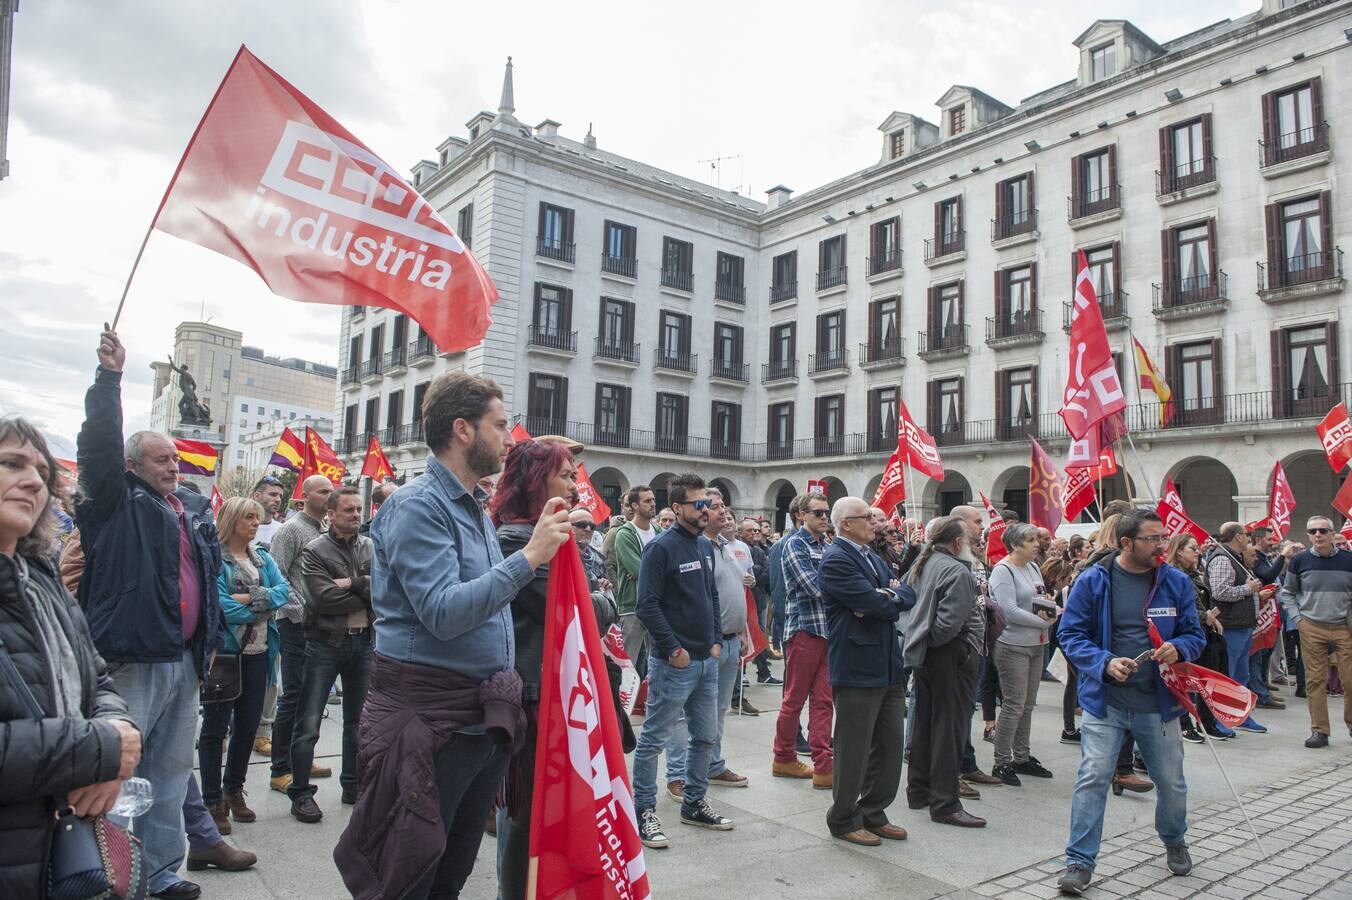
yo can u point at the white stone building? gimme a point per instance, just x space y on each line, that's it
671 326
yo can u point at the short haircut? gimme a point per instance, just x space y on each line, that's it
1309 523
455 395
795 505
267 481
635 492
1009 515
134 447
1017 533
683 486
715 492
1229 531
332 503
815 495
1259 532
1117 507
1129 523
382 492
846 506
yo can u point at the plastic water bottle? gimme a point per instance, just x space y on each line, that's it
135 798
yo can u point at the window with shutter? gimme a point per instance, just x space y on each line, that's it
1197 383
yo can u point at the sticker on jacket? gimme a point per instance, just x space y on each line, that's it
693 566
1162 611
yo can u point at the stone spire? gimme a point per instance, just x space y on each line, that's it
506 106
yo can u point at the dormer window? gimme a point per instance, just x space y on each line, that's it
957 120
1103 62
897 143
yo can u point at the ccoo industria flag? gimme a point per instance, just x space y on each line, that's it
272 181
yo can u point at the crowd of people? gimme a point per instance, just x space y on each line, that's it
140 633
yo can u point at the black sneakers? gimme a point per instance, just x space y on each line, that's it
702 814
1075 880
650 830
1191 736
1178 859
1007 775
1316 740
1032 767
1070 737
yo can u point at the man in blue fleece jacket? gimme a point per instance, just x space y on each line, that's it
1104 630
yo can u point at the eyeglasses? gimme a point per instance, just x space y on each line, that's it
848 518
1154 538
584 526
1318 530
817 512
700 505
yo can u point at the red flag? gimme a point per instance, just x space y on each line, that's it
756 641
584 833
816 486
217 501
289 453
1335 433
1230 701
376 466
1281 502
891 491
1175 518
922 453
1251 527
519 433
1342 501
1346 530
1093 390
1079 491
995 533
588 498
1046 490
272 181
1266 628
319 460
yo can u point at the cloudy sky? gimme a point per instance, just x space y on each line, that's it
105 96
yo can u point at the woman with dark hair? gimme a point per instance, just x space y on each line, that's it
533 472
1185 554
86 745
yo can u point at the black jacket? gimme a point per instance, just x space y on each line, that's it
323 561
40 761
130 536
862 648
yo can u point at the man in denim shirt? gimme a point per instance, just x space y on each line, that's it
441 592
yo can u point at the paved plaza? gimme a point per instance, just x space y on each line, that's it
1301 801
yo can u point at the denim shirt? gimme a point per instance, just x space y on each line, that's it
440 589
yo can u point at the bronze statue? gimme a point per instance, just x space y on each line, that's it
191 411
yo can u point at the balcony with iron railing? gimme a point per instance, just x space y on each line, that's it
787 290
1015 224
541 337
880 354
545 425
942 247
371 369
1195 295
832 277
621 352
885 261
669 442
625 266
411 433
779 370
729 291
883 440
421 351
351 375
1294 145
731 370
1185 176
1094 205
396 361
678 279
1014 328
1113 306
675 361
828 362
388 436
943 341
555 248
1304 275
723 449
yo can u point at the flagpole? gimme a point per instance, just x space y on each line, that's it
1211 745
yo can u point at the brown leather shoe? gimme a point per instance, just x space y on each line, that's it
795 769
220 814
980 777
822 781
320 771
280 783
676 790
889 831
861 837
222 856
962 818
729 778
239 810
1134 783
263 746
967 792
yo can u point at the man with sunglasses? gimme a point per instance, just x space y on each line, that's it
1318 586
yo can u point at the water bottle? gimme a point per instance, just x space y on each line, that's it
134 799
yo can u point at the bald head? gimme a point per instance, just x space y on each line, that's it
971 518
383 492
316 490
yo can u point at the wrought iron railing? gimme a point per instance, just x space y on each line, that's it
827 361
832 277
1021 323
540 336
621 351
783 291
778 369
1295 144
733 371
395 358
1019 221
735 293
1189 173
680 280
945 337
619 265
1202 288
553 248
1087 203
1112 304
887 259
421 348
944 244
1302 269
882 351
676 361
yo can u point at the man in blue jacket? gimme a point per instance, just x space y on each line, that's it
149 592
862 604
1105 633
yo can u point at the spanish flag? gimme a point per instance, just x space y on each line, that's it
1151 380
290 452
376 466
196 457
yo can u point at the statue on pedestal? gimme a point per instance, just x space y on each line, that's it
191 411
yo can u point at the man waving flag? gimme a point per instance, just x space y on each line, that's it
1093 390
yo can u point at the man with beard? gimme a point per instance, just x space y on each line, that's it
445 698
268 492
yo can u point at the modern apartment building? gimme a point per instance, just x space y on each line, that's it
673 326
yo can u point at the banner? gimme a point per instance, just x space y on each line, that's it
1230 701
1281 502
272 181
584 834
891 491
588 498
196 457
289 453
1046 491
753 639
1093 390
1175 518
816 486
1266 628
995 533
376 466
922 453
1080 492
1335 434
519 433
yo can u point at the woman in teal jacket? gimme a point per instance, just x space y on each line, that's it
251 588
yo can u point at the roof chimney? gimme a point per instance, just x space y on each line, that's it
590 140
778 196
547 130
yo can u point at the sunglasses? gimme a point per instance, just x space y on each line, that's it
817 512
700 505
584 526
1318 530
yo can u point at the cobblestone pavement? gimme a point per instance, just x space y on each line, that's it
1304 820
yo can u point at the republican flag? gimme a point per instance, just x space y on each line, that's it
376 466
272 181
588 498
1281 502
289 452
1342 501
319 460
1046 490
1151 380
1230 701
995 533
922 453
584 834
196 457
1093 390
891 491
1335 434
1175 518
217 501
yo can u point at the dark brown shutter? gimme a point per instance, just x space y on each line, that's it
932 407
1112 170
1076 185
1001 294
1032 285
1032 194
1216 396
1207 151
1280 375
628 323
962 403
793 342
1316 104
596 409
1001 405
932 301
683 415
1074 270
938 226
568 227
535 310
1214 261
685 333
1119 297
736 428
1173 370
1276 263
1168 266
959 221
566 319
624 412
562 412
1334 374
793 266
1032 427
1326 227
1001 192
541 231
873 323
962 303
1270 124
1166 157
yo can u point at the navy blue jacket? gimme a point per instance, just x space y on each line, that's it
129 589
862 648
1086 629
677 598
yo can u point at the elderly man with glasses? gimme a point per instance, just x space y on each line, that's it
584 526
1318 591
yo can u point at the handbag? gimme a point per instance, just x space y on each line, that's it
90 859
225 682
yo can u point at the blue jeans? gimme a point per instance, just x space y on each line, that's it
1161 745
729 678
288 694
1258 668
201 827
323 664
1237 644
162 698
246 709
671 691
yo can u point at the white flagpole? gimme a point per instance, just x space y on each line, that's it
1206 739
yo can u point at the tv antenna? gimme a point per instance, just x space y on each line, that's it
716 169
